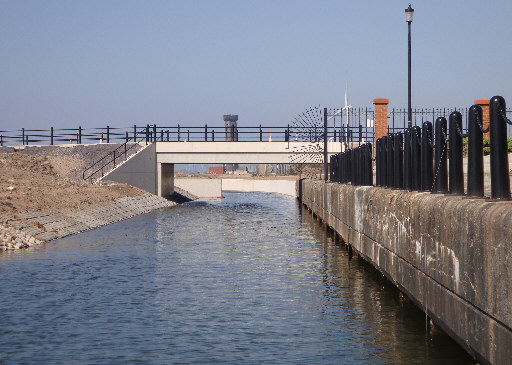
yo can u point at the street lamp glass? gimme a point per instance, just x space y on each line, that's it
409 12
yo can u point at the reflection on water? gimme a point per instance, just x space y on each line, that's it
250 279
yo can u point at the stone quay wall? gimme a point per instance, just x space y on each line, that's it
27 229
451 255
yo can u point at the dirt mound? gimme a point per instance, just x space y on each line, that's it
29 183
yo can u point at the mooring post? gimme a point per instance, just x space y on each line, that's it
357 165
416 158
331 179
500 181
326 166
377 162
475 152
399 162
390 161
440 170
455 168
426 157
384 164
407 160
369 164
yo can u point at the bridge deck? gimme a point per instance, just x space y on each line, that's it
243 152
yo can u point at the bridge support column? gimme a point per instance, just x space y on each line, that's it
165 176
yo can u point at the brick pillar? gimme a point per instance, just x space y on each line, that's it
484 103
381 117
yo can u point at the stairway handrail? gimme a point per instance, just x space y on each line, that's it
113 154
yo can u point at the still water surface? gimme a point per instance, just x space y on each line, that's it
251 279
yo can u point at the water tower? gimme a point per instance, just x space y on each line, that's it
231 136
230 124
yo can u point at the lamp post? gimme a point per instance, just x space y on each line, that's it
409 12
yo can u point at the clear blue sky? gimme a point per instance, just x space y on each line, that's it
66 63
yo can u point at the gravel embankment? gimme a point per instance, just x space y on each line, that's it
71 160
43 195
27 229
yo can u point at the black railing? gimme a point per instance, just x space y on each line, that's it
180 133
422 161
397 117
117 156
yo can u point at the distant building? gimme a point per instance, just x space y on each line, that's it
216 170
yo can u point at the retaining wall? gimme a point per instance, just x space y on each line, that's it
27 229
451 255
286 187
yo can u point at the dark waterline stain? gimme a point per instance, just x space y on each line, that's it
251 279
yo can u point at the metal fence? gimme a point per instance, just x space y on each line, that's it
397 117
430 158
344 124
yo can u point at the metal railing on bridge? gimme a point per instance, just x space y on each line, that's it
431 159
178 133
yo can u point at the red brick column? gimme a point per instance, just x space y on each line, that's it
381 117
484 103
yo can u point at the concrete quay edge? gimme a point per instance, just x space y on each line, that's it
449 254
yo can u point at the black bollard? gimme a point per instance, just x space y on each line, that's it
456 173
384 164
407 160
357 165
415 158
348 164
369 164
399 162
500 182
344 167
338 166
377 162
440 166
390 161
426 157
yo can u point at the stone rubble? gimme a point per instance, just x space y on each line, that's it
27 229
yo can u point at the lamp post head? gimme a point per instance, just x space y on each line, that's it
409 12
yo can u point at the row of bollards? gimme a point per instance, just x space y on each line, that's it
354 165
430 158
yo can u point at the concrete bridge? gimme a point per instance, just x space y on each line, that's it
152 167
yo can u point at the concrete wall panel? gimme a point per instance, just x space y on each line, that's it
139 170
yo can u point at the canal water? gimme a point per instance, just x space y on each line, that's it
250 279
